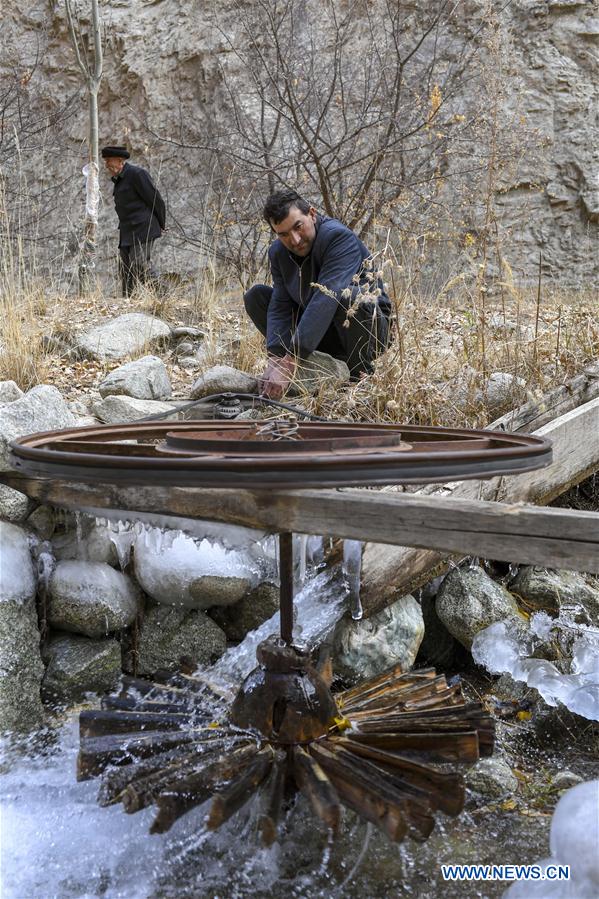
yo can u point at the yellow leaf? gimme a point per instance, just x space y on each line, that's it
524 716
509 805
214 725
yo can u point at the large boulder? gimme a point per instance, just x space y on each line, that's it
77 666
21 668
91 598
319 370
250 612
122 336
172 569
145 379
469 601
14 505
543 588
169 635
223 379
363 649
41 409
117 410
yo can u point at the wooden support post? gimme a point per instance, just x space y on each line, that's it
286 589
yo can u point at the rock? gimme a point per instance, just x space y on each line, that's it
116 410
254 609
77 666
41 409
14 505
319 370
492 778
122 336
469 601
43 522
363 649
543 588
185 348
563 780
169 634
166 566
144 379
213 590
223 379
21 668
9 392
91 598
187 331
500 391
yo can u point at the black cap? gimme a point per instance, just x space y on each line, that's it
123 152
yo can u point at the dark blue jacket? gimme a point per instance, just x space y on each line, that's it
336 256
139 206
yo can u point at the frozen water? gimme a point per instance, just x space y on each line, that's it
505 647
317 609
352 569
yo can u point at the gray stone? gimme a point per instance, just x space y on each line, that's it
122 336
317 371
14 505
213 590
91 598
21 667
77 665
544 588
9 392
144 379
468 601
168 635
493 778
185 348
563 780
254 609
41 409
223 379
43 521
363 649
116 410
502 390
187 331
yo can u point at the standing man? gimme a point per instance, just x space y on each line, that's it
295 315
141 212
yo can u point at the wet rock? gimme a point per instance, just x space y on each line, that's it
9 392
77 666
21 667
144 379
363 649
42 408
563 780
43 522
116 410
213 590
223 379
543 588
469 601
492 778
14 506
122 336
168 634
91 598
256 607
166 566
319 370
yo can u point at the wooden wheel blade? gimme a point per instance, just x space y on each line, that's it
105 723
450 746
243 787
317 788
272 801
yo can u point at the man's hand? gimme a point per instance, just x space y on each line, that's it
276 377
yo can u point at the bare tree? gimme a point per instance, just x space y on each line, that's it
88 52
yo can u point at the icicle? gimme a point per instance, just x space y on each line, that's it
352 569
299 560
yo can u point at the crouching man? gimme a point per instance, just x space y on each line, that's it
321 271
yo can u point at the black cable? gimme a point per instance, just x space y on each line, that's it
226 395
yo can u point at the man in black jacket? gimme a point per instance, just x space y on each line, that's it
141 213
325 296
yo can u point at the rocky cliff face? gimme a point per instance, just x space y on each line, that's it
163 71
